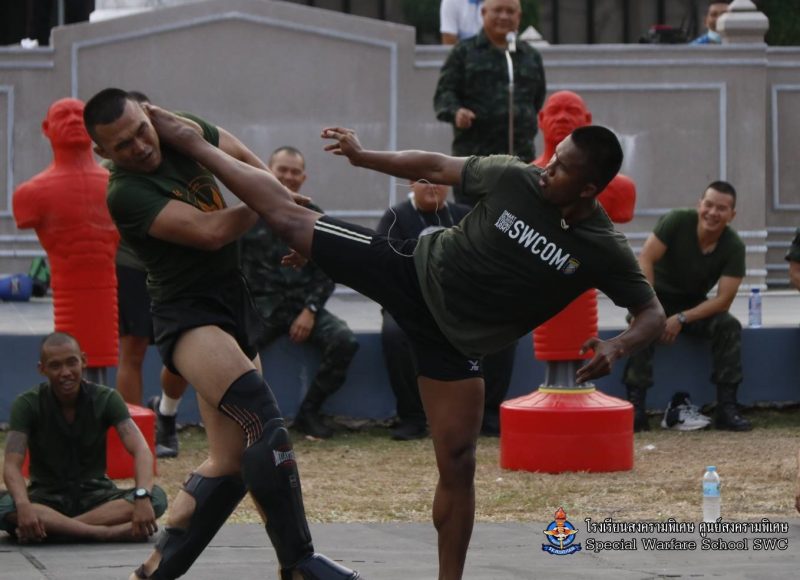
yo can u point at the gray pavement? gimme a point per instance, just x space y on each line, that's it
780 308
392 551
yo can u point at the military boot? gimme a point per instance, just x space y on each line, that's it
308 419
727 417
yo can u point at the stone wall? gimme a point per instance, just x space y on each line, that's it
275 73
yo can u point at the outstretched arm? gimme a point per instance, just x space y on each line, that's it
647 326
435 167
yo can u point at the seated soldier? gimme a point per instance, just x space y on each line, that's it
292 302
690 252
63 422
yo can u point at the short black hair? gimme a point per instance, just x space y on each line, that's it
56 339
722 187
138 96
288 149
603 153
105 107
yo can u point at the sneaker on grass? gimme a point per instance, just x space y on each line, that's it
682 415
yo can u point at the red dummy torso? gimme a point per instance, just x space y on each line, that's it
66 206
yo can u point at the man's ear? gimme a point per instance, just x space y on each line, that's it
40 368
46 128
589 191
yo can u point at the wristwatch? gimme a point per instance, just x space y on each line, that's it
682 318
141 493
313 308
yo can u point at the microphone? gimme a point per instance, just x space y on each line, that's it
511 39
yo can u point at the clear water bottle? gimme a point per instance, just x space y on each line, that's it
754 318
711 498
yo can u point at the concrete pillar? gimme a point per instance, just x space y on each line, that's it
743 23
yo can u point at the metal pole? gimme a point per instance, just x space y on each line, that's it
97 375
510 103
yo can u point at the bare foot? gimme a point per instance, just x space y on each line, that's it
120 533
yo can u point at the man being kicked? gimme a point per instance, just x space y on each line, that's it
689 252
292 301
63 422
171 212
535 241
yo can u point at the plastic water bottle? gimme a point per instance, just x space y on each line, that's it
711 498
754 318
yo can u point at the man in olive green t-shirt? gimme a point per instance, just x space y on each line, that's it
170 210
63 423
535 240
689 252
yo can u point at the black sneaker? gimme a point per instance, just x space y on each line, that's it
409 430
682 415
166 431
313 425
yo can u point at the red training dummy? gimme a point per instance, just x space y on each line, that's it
66 205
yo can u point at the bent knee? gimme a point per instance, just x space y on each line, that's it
457 467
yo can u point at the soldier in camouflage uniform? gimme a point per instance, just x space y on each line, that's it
292 301
472 92
689 252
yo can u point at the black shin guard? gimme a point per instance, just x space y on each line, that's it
268 466
215 500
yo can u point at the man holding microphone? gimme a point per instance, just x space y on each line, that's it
473 89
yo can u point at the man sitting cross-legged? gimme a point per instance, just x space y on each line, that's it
63 423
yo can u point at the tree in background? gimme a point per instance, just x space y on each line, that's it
784 21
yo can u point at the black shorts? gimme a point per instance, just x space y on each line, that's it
133 303
384 271
226 304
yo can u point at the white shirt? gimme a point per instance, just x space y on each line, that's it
460 17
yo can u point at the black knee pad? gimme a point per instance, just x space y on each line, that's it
215 500
250 402
270 472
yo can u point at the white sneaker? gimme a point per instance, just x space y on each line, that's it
681 415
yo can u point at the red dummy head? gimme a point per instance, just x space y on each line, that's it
64 125
562 113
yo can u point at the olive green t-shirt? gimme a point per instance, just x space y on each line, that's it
684 275
509 265
62 454
135 199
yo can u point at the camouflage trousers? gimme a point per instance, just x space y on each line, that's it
725 333
334 339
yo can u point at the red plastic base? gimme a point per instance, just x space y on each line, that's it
583 430
119 463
